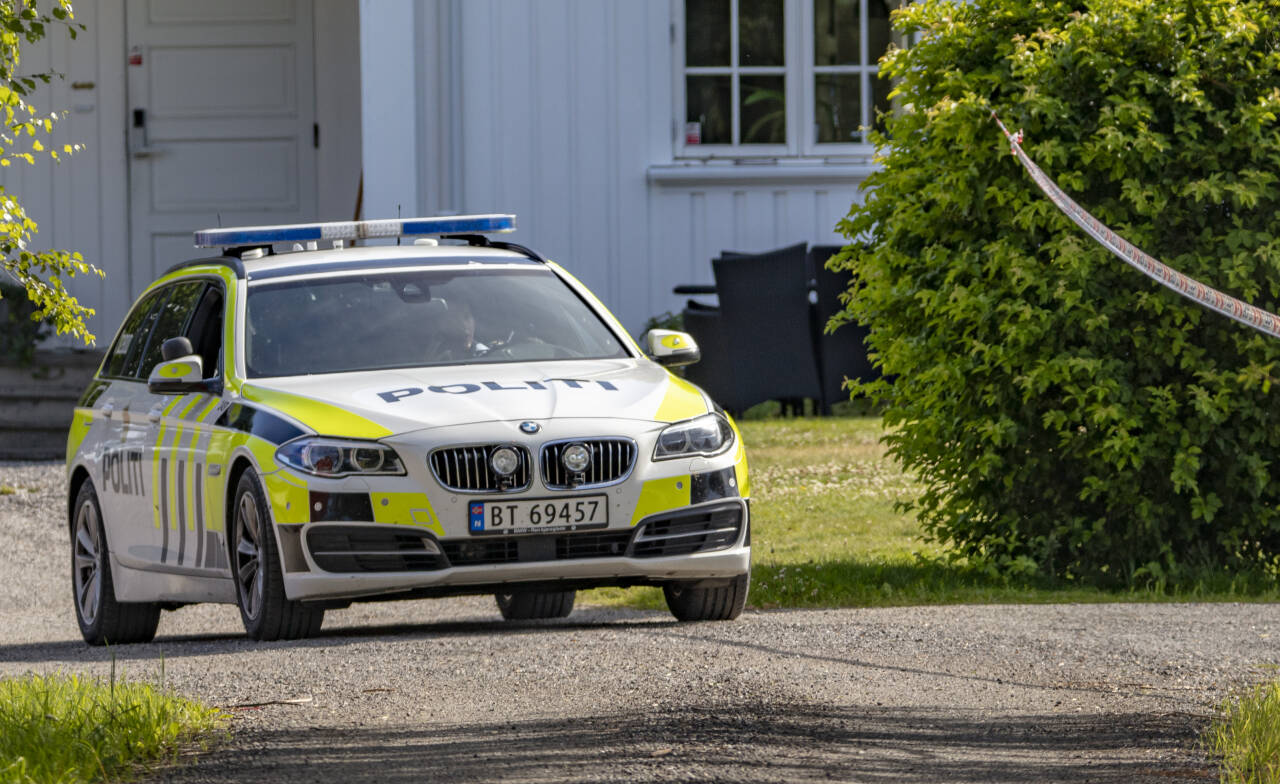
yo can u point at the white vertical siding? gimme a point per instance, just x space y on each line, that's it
565 105
80 204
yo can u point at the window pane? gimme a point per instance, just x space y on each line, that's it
764 110
130 335
878 29
838 109
420 318
708 119
835 32
172 322
706 32
760 29
880 88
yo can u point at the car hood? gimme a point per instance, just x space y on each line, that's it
375 404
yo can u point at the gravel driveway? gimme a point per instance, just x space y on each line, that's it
443 690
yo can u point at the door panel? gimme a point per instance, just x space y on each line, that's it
221 115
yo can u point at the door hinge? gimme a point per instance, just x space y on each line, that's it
315 135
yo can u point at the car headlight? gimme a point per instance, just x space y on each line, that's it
333 457
706 435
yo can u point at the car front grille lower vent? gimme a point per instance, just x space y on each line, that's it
689 532
531 549
611 461
337 548
466 469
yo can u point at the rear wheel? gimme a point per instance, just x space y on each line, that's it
717 603
530 605
265 610
103 620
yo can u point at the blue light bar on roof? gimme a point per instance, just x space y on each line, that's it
356 230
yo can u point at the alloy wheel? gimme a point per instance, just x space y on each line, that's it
86 565
249 576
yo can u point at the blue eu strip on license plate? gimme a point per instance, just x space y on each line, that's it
477 517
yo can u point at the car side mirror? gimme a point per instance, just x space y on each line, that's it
670 348
178 376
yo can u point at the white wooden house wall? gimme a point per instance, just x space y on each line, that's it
81 204
560 111
566 112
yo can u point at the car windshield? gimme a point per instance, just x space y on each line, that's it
417 318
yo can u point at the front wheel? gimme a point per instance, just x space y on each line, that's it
255 561
529 605
103 620
717 603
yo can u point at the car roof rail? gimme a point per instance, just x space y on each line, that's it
234 262
482 241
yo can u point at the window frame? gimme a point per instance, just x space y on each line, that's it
800 71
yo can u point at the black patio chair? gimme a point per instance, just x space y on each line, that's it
767 322
714 372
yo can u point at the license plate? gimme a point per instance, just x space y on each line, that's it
542 515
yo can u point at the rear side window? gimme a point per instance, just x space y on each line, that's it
171 322
133 334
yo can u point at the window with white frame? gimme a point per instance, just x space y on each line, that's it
771 78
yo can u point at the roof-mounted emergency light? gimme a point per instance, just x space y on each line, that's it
356 230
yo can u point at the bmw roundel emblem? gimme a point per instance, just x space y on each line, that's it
529 427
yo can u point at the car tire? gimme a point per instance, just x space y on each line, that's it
535 605
255 565
718 603
102 619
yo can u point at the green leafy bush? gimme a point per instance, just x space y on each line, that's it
1066 415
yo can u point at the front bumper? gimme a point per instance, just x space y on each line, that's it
356 560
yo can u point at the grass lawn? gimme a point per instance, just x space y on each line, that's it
1246 738
67 729
825 534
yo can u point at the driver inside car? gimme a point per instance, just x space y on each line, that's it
456 331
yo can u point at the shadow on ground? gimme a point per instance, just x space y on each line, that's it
747 743
176 646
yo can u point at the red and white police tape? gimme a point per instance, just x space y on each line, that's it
1161 273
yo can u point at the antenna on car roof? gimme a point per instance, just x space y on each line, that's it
397 218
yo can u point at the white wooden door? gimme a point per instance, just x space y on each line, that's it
221 117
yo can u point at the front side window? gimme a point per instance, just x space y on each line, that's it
780 77
133 334
171 322
419 318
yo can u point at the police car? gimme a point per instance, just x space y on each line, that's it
292 428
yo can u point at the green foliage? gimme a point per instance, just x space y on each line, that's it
1246 739
21 327
40 273
69 729
1065 415
665 320
826 531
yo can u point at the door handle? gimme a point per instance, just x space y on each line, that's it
156 412
108 408
139 141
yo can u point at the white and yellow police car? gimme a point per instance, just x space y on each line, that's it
293 431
